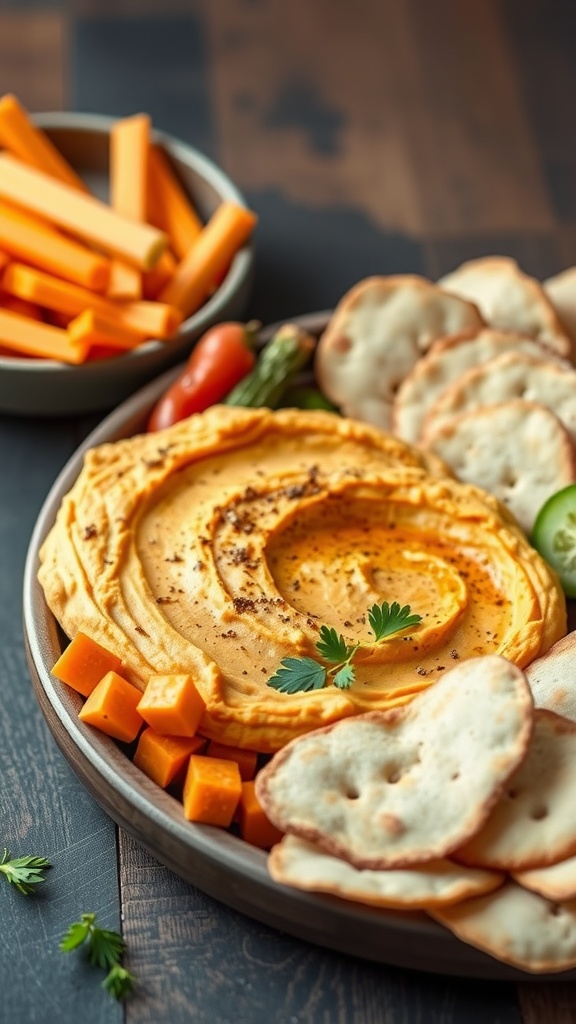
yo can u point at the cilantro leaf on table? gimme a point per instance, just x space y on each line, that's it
119 982
105 950
25 873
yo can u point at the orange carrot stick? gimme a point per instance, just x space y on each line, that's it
83 663
162 758
226 231
111 708
98 352
19 334
129 145
29 143
153 319
169 208
90 328
149 319
21 306
125 281
33 240
52 316
153 281
4 259
82 215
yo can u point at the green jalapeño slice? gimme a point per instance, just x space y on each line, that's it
554 536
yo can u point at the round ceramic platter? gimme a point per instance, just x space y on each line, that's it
213 860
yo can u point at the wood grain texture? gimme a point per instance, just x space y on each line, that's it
33 57
552 1005
205 963
414 113
43 808
378 137
152 63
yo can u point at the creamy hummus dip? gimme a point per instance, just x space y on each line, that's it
221 545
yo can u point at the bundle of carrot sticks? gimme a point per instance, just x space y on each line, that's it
81 279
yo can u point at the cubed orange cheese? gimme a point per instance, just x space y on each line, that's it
162 758
212 789
255 827
83 664
172 705
245 759
112 708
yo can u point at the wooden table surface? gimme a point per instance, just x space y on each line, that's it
376 137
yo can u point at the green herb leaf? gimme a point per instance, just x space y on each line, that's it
119 982
77 933
304 674
23 872
387 619
344 677
105 950
332 646
298 674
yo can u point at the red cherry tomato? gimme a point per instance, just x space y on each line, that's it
219 360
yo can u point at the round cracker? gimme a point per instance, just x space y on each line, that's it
517 927
443 364
517 450
376 334
552 678
509 298
561 290
534 822
511 375
404 786
304 865
555 882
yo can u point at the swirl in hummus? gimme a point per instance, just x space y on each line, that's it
220 546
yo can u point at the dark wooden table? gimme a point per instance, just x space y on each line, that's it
376 137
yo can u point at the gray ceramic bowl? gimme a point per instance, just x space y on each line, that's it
48 388
210 858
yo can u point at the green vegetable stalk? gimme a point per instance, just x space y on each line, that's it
280 361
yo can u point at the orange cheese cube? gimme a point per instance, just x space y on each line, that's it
171 705
212 789
83 664
112 708
255 827
162 758
245 759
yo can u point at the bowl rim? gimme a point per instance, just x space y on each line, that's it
240 268
215 861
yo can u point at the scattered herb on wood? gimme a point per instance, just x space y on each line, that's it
105 950
305 674
25 873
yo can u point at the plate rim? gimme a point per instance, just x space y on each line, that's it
218 863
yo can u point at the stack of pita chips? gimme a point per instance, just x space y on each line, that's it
477 368
460 804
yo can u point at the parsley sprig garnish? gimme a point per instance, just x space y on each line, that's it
105 950
304 674
25 873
